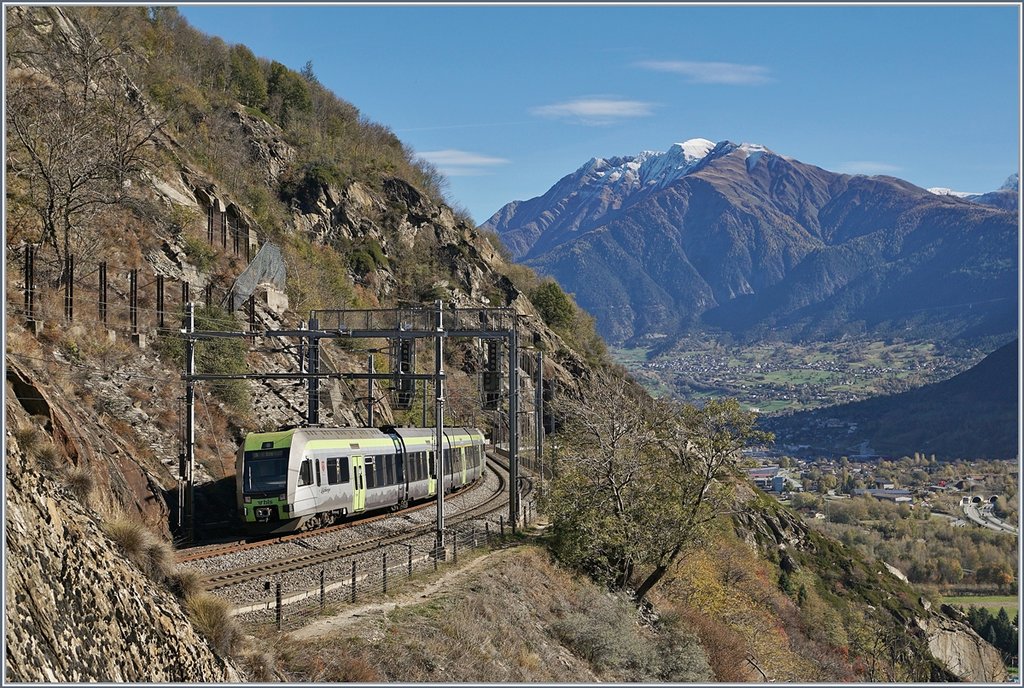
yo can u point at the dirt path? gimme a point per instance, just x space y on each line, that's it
379 609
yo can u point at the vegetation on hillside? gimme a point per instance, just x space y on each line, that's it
639 481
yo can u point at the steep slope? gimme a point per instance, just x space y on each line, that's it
758 244
973 414
75 609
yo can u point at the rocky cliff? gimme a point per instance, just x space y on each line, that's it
905 637
76 610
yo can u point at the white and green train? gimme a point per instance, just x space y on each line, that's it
310 477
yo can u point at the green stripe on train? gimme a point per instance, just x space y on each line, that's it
256 440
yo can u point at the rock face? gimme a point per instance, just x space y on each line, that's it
76 610
963 651
956 651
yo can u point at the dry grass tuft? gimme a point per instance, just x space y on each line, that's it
211 616
28 438
48 456
80 482
185 583
151 554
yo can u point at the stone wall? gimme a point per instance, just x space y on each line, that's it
76 610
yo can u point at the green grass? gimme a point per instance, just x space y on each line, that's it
991 602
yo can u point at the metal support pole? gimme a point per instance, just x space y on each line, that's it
410 559
69 287
103 293
277 598
133 300
209 223
353 581
369 394
313 367
224 230
30 278
424 423
160 301
539 396
252 315
190 421
209 295
439 424
185 298
513 427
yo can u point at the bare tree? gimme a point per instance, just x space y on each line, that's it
79 132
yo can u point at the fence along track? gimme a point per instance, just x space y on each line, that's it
219 581
347 583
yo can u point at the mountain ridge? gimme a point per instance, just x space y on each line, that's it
754 243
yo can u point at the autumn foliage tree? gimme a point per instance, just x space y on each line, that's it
639 480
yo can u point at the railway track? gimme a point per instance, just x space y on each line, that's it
245 574
220 550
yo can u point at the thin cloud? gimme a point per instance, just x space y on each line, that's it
458 163
595 111
711 72
867 167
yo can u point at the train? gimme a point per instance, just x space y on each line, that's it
307 478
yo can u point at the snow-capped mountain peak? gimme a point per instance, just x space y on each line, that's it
943 191
1012 182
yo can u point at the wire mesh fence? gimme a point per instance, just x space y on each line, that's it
350 582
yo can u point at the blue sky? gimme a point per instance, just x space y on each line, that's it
508 99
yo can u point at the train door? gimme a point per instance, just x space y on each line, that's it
358 484
462 463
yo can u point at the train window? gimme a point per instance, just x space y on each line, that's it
306 473
317 472
333 464
343 469
371 477
389 465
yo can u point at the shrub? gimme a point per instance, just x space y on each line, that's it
198 252
211 616
606 636
554 305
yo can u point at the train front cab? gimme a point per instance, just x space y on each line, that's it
262 488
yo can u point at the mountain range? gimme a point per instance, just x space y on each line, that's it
737 238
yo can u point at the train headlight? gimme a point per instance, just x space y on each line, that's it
247 499
283 497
